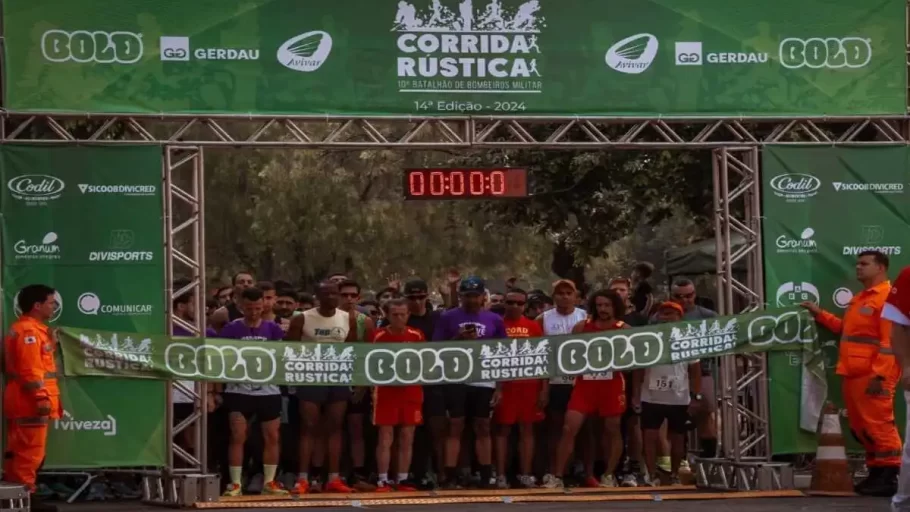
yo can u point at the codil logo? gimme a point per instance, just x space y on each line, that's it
633 55
35 188
252 364
830 53
97 47
306 52
425 366
795 187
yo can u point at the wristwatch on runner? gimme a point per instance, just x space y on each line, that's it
696 396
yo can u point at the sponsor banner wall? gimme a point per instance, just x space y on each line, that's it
822 207
87 221
457 57
595 356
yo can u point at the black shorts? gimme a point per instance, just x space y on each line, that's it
445 400
630 411
653 416
263 407
182 411
323 394
477 404
560 394
364 406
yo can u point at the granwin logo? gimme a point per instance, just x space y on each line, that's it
802 245
795 188
633 55
46 250
306 52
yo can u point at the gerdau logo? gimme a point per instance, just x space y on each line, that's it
107 427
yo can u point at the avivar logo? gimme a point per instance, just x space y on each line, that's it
876 188
126 190
107 426
306 52
48 249
633 55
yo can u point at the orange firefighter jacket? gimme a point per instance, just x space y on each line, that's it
30 369
865 342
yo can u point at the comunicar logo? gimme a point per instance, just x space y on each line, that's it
795 187
306 52
107 426
830 53
633 55
98 47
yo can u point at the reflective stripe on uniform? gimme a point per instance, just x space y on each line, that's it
886 351
885 455
33 421
47 375
865 340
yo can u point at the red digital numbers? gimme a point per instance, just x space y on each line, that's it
437 183
498 183
465 183
456 183
416 184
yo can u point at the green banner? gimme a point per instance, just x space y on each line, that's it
822 207
89 352
87 221
457 57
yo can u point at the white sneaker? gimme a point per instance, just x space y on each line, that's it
646 481
502 482
552 482
629 480
607 481
684 465
528 481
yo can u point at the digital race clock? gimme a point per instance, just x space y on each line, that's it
465 183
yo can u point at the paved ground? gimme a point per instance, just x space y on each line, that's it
753 505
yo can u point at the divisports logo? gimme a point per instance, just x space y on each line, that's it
802 245
794 293
108 426
795 187
36 188
842 297
306 52
57 311
89 303
633 55
873 238
97 47
46 250
830 53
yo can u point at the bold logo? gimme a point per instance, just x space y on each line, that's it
99 47
606 353
319 363
423 366
688 54
249 364
115 354
306 52
830 53
795 187
872 240
46 250
58 310
633 55
175 48
842 297
35 188
877 188
802 245
108 426
127 190
793 293
789 327
89 303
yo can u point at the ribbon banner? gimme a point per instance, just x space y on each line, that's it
89 352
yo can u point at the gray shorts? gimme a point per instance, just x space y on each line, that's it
323 394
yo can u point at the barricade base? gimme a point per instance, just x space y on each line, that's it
14 498
180 490
728 475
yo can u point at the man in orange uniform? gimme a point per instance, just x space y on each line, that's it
31 398
870 372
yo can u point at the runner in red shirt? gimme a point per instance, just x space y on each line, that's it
396 406
603 394
520 401
897 310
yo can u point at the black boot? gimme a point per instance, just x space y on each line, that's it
873 477
884 486
37 505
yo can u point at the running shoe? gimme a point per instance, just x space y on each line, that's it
607 481
232 490
674 481
629 480
407 486
663 463
502 482
552 482
338 486
590 482
274 488
528 481
384 487
302 487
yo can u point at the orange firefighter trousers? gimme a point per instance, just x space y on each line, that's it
871 418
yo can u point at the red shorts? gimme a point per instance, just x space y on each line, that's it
397 406
603 397
519 403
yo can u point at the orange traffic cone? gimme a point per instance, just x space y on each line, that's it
831 476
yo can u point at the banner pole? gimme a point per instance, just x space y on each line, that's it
169 297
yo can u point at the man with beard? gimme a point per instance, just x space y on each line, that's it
603 394
326 323
519 402
230 311
470 321
285 305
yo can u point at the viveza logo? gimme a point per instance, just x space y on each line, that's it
112 353
107 426
492 48
36 189
319 364
57 311
177 48
120 241
793 293
872 238
515 360
48 249
691 54
795 188
876 188
633 55
306 52
126 190
804 244
89 303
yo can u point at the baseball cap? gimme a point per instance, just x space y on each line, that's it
472 284
564 282
671 305
415 287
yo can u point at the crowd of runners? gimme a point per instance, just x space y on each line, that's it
600 430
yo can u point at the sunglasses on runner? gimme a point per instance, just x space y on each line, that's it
683 295
515 303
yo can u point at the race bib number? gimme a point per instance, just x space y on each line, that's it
563 380
663 383
598 376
